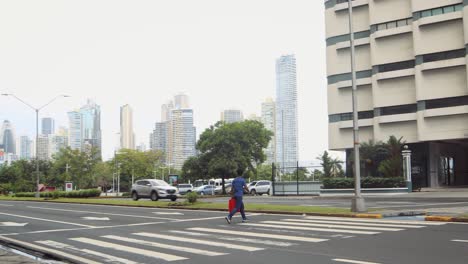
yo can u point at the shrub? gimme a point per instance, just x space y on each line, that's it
366 182
192 197
56 194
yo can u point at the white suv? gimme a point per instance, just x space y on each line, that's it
185 188
154 189
260 187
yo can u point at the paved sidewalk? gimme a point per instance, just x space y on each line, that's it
8 257
11 257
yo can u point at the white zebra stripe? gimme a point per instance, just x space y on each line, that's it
166 246
353 223
107 258
383 221
315 229
198 241
333 226
251 234
237 239
143 252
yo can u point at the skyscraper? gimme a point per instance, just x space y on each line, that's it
91 125
286 112
127 137
47 126
268 120
181 101
75 130
43 151
159 137
175 134
7 137
26 148
232 115
183 140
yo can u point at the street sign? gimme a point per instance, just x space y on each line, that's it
68 186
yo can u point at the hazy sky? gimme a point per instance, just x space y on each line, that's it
220 53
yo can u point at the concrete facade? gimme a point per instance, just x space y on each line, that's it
411 80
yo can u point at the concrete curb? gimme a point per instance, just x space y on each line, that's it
441 218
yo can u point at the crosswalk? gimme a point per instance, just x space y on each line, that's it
222 240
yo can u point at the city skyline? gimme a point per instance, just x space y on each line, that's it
154 63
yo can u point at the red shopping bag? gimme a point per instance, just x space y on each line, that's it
232 204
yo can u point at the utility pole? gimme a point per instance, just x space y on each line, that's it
358 203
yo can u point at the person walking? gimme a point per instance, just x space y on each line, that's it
237 190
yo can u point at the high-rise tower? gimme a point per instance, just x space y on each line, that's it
127 139
286 113
268 120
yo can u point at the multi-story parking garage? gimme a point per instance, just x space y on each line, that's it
411 77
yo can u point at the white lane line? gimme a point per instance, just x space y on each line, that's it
96 218
352 223
237 239
199 241
333 226
49 251
166 246
143 252
6 205
383 221
354 261
104 257
314 229
251 234
458 240
46 220
101 213
12 224
168 213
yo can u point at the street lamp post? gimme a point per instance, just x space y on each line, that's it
358 203
37 131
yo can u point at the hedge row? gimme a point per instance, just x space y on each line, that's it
366 182
56 194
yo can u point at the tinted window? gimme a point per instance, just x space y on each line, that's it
159 183
399 109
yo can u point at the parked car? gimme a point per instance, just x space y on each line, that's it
260 187
248 186
206 189
185 188
219 189
153 189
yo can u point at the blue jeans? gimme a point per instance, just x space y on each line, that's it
239 206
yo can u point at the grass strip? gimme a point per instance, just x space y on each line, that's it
186 205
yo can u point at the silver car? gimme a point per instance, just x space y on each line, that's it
153 189
260 187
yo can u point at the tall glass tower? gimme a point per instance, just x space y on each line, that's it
7 137
91 125
268 119
286 113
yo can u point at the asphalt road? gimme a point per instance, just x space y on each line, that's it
107 234
384 202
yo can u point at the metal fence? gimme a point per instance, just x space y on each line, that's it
296 180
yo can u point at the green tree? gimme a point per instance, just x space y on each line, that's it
233 149
332 167
74 165
128 163
392 166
